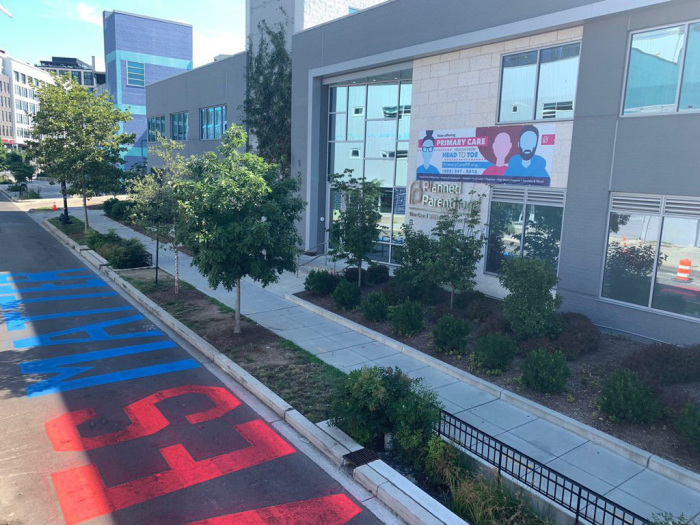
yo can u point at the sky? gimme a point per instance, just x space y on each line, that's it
41 29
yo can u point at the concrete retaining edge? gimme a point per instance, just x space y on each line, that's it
635 454
411 508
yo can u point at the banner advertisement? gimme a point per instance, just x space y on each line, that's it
520 154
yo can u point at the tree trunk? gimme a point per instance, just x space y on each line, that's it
177 270
87 224
359 274
452 297
65 199
237 321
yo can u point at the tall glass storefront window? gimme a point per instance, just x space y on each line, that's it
524 229
653 255
369 124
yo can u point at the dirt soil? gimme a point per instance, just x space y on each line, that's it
298 377
580 401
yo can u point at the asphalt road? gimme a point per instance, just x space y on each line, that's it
106 419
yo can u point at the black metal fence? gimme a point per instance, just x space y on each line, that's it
587 505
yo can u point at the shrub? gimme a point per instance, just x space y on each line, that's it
546 371
666 364
347 295
530 345
478 309
95 239
579 336
14 187
377 274
493 324
451 334
108 205
375 401
407 318
626 398
320 282
494 353
130 253
530 308
416 258
351 275
376 307
395 293
688 424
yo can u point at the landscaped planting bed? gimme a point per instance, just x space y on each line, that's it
584 388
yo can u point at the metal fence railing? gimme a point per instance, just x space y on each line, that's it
587 505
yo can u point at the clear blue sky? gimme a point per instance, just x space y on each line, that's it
41 29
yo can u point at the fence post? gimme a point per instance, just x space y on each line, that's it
500 456
578 505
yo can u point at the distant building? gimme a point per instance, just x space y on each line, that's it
5 109
139 51
24 79
83 73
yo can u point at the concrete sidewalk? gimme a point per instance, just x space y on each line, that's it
626 482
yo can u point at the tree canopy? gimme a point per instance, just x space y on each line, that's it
238 217
77 133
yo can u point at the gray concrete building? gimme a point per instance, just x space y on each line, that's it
573 124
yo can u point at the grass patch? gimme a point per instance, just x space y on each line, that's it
299 377
75 230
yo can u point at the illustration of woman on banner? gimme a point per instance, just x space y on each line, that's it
427 148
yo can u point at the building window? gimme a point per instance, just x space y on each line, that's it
212 122
156 127
653 253
664 71
179 126
368 133
135 74
75 76
524 222
540 84
89 78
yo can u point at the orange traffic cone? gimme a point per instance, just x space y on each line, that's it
683 274
54 207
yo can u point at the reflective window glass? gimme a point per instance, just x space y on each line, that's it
381 170
556 89
339 99
518 81
338 122
505 233
629 264
346 155
381 139
382 101
677 286
690 89
543 233
405 111
654 70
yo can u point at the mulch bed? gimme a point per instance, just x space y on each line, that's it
580 401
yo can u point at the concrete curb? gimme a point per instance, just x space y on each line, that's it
400 495
652 462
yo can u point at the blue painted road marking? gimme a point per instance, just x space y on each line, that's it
95 332
6 289
18 278
16 321
8 302
57 365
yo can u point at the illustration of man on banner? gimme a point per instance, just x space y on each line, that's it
527 163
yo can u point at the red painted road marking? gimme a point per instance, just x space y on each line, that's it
83 495
329 510
145 418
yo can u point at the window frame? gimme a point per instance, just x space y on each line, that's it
661 215
224 121
525 202
148 131
128 83
681 74
534 118
186 124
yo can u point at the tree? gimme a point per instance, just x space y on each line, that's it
19 166
268 103
356 229
3 158
76 131
238 217
416 258
458 247
155 200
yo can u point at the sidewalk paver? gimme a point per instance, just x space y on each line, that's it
623 481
